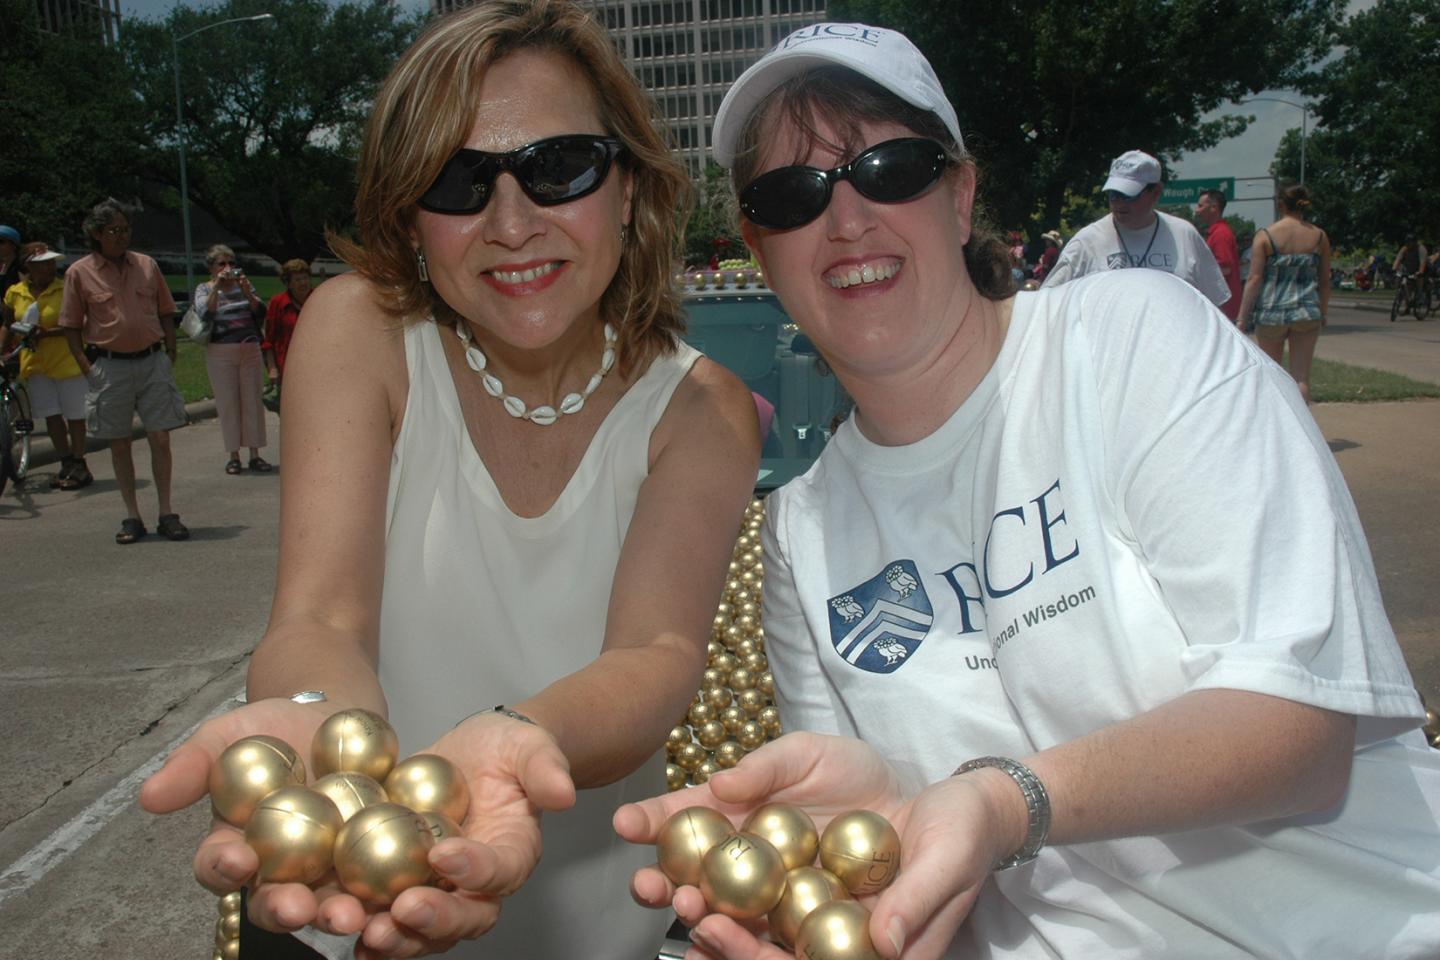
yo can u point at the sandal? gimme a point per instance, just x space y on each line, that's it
62 476
131 529
259 465
233 467
171 528
78 477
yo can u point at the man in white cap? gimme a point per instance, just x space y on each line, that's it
1135 234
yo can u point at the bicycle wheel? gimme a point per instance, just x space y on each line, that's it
1397 306
17 438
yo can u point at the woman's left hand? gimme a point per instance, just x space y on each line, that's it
515 771
946 838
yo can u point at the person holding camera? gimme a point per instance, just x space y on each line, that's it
233 357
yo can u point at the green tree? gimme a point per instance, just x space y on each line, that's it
1372 162
69 120
273 110
1047 95
713 219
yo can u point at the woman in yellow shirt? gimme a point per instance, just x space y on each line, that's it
57 388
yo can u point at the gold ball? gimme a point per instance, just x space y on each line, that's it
679 736
684 840
427 781
733 718
718 625
690 756
220 938
750 735
249 770
723 609
746 622
706 770
717 696
674 777
836 930
862 849
805 889
766 683
769 718
712 677
741 679
1432 722
756 663
742 876
350 792
746 651
713 649
789 830
726 662
700 713
355 740
230 903
231 950
229 926
729 753
293 832
732 585
711 733
383 851
751 701
744 541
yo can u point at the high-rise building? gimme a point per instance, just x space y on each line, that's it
686 53
97 19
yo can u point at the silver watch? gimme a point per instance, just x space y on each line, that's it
1037 803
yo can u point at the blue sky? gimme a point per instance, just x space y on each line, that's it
1243 156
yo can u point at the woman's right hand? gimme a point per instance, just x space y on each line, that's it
947 834
224 863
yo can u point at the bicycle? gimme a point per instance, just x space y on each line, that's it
15 422
1412 295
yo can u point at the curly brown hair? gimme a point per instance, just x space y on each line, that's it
423 114
847 100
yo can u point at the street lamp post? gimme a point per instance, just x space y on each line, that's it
1304 109
180 134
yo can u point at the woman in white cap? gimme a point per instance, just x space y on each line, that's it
57 387
1017 601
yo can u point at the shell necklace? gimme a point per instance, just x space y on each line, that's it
543 415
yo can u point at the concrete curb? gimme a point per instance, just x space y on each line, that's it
42 451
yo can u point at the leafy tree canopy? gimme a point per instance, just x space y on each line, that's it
1048 95
69 115
1372 164
273 110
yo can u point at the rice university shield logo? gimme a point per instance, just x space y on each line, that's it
877 625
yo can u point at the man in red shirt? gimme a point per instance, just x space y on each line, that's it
1221 240
116 302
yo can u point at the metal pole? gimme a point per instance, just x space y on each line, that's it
1304 116
184 182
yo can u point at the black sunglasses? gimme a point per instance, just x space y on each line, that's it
889 172
551 171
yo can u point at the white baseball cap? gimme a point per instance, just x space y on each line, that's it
45 255
1132 172
884 56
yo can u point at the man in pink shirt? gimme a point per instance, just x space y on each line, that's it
117 302
1221 240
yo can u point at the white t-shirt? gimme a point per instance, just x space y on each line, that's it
1106 524
1171 245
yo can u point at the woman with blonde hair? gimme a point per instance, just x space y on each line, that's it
510 495
1287 294
233 356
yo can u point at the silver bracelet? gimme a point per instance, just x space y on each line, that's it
1037 803
501 709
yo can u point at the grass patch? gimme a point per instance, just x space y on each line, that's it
190 373
265 287
1332 382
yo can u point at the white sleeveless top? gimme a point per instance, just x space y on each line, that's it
483 607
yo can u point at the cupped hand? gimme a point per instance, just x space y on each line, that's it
223 862
945 856
515 772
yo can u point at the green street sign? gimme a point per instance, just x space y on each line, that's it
1188 191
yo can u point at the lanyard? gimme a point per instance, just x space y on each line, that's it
1130 260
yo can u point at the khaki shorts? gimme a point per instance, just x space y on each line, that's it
1277 331
50 397
121 388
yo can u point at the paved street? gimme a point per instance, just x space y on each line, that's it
111 654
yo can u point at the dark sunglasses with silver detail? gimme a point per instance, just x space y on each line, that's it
552 171
891 172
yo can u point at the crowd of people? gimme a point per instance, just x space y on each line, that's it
1120 710
100 346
